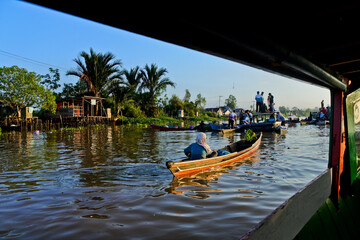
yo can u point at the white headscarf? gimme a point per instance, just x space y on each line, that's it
201 140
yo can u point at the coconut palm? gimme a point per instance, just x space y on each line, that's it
154 81
97 70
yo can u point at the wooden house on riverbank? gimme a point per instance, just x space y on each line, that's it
83 108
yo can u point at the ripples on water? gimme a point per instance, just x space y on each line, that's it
112 183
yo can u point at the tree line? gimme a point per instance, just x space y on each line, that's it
297 111
134 92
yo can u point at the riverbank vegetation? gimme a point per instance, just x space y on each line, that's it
134 95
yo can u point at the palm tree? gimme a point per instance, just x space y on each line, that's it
153 80
98 70
121 96
133 78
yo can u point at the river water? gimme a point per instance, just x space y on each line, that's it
112 183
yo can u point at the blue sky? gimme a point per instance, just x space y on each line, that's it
37 38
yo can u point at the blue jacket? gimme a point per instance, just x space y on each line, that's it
196 151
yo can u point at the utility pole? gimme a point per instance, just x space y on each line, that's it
219 100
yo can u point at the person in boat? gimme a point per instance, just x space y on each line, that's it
243 117
200 149
271 102
201 127
232 119
327 114
263 106
310 118
281 118
249 113
258 99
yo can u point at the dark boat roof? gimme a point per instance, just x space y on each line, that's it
317 43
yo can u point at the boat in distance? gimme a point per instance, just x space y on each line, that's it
169 128
238 151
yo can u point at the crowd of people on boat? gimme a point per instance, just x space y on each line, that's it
244 117
323 114
261 106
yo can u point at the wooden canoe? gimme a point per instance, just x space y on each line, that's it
238 151
218 128
169 128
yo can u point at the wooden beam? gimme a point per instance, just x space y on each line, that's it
345 62
337 141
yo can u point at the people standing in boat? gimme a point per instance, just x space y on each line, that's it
322 104
232 119
258 100
248 112
200 149
270 101
263 106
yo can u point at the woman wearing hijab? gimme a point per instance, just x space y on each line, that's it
200 149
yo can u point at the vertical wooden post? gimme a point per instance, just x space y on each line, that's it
337 142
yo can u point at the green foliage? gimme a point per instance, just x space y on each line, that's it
51 81
250 135
231 101
296 111
174 105
71 90
211 114
148 120
20 88
48 102
100 69
131 110
200 102
154 81
187 96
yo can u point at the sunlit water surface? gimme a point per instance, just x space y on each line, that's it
112 183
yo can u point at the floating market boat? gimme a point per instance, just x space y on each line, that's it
293 119
238 151
218 128
260 127
169 128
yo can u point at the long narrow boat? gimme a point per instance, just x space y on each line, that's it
238 151
218 128
169 128
260 127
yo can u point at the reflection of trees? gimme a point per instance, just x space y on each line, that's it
134 144
26 150
26 155
110 152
